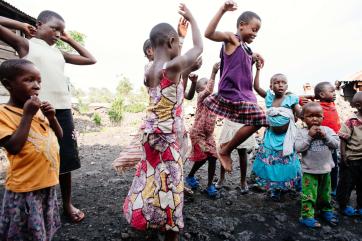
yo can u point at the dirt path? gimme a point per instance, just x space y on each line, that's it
100 192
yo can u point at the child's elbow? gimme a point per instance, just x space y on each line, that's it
14 150
92 61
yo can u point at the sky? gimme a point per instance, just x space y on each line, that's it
308 41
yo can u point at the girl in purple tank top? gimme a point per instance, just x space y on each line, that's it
235 99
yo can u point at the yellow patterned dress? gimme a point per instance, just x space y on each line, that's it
155 199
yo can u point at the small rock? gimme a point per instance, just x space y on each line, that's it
125 236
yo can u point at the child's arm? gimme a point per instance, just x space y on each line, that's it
343 152
217 36
49 112
297 110
185 75
20 44
180 63
14 143
182 26
331 139
304 139
190 95
84 57
209 89
257 87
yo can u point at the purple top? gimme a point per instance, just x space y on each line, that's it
236 83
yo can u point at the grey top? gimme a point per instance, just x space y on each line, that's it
316 153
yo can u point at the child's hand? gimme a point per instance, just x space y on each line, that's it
183 24
216 67
32 106
193 77
313 131
48 110
321 133
28 30
65 37
259 60
229 6
185 12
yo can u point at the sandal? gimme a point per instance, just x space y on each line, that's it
76 216
310 222
359 212
211 191
349 211
331 218
192 182
275 195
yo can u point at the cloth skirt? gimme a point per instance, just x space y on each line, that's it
29 215
203 146
156 197
69 158
247 113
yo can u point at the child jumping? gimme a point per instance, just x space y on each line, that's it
201 135
235 99
155 199
55 88
316 143
350 175
28 132
326 94
276 165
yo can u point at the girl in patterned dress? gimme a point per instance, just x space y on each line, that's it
235 99
277 165
201 134
28 132
155 199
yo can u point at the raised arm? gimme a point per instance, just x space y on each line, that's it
257 87
211 83
84 57
191 93
20 44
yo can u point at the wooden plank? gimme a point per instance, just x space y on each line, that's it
7 48
8 55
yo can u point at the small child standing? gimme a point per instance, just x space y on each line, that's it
350 175
156 197
235 99
316 143
326 94
201 134
30 208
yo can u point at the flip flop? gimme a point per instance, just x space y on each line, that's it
331 218
76 216
310 222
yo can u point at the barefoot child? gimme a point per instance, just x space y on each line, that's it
27 125
201 134
155 199
235 99
316 143
50 62
351 160
276 164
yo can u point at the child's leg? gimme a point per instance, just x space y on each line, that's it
359 186
334 172
309 195
243 159
172 236
345 186
211 169
324 193
197 165
240 136
220 182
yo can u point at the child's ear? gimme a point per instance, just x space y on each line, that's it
38 24
170 42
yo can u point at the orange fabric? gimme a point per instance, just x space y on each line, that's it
330 114
36 166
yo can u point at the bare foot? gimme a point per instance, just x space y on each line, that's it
225 160
74 214
219 183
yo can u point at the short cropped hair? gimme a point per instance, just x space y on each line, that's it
9 69
356 98
246 17
319 88
309 105
147 45
47 15
278 76
160 34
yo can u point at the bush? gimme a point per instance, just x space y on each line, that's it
135 108
97 119
116 111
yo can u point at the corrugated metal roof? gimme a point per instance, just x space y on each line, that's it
355 77
14 9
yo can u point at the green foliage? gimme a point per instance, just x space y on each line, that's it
102 95
77 36
97 119
116 111
124 87
83 107
135 107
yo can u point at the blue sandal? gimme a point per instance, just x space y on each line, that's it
310 222
359 211
211 191
192 182
331 218
349 211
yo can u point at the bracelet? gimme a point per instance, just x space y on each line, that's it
181 41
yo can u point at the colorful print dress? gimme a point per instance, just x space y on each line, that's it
155 199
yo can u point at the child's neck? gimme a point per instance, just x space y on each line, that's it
326 101
15 103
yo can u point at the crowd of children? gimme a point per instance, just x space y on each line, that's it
37 130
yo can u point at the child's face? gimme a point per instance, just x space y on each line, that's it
313 116
328 94
50 31
279 86
201 85
149 55
248 31
25 84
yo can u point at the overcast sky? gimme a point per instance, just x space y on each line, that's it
309 41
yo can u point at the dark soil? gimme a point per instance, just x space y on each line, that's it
100 192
